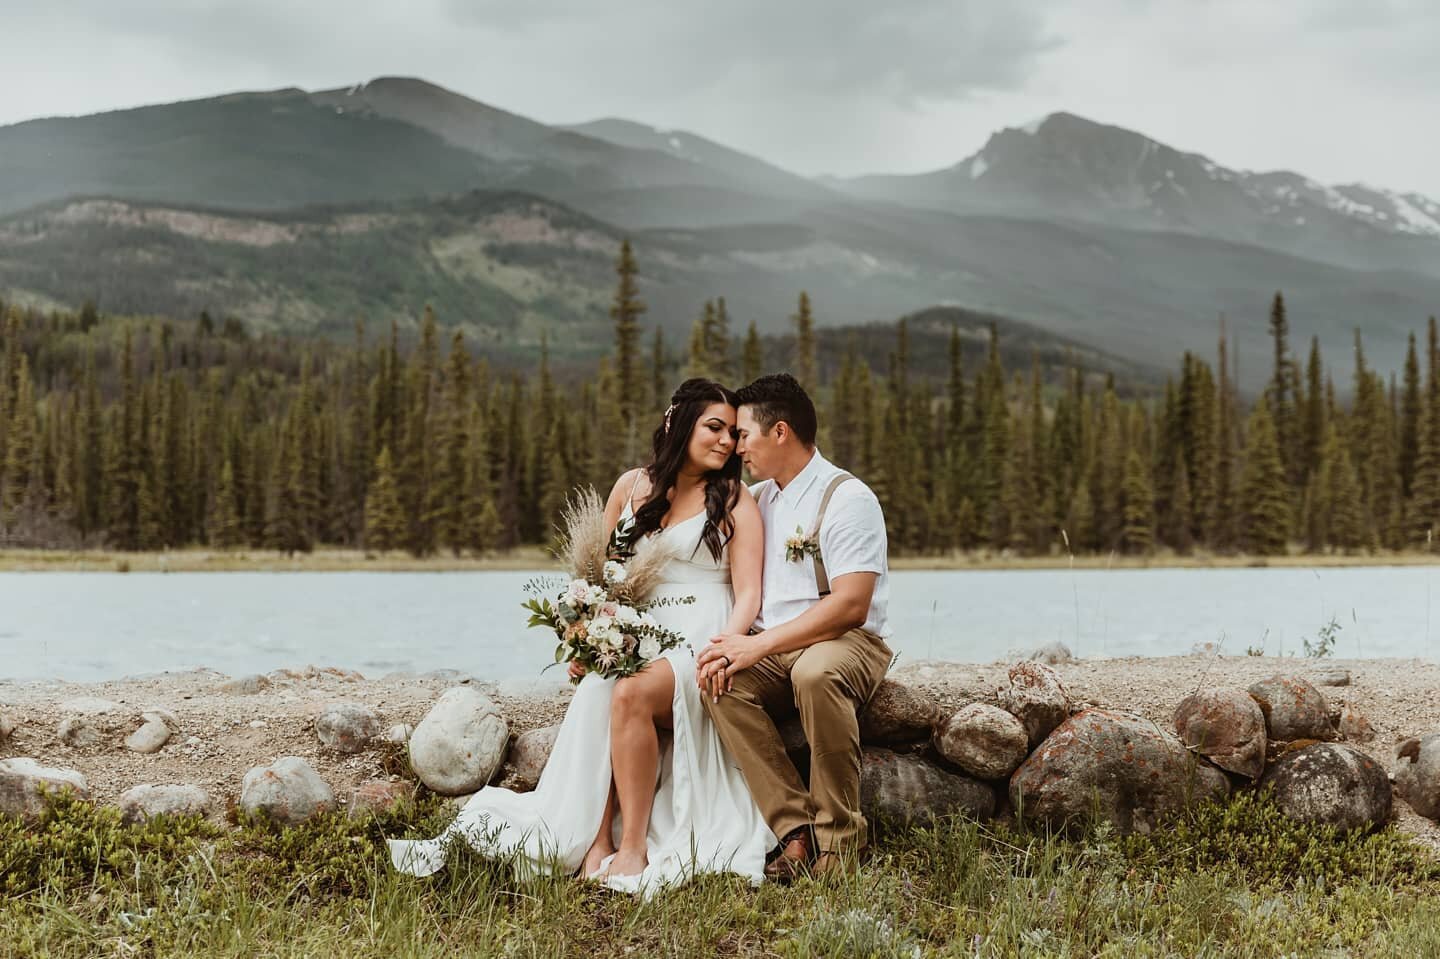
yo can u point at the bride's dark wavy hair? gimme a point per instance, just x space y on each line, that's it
669 445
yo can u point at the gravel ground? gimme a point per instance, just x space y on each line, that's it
223 733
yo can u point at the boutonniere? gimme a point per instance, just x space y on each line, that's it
799 546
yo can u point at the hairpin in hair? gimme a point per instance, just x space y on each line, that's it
668 413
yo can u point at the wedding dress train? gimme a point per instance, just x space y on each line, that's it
703 818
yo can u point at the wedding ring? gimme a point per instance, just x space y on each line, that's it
727 661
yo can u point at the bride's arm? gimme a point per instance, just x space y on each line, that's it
747 563
619 493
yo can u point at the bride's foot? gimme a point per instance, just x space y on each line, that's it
595 859
627 863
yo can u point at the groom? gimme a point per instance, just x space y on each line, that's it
818 646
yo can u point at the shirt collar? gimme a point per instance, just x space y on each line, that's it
803 480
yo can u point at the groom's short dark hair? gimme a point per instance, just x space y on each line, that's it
777 397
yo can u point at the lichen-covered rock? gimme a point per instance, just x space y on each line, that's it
1332 785
901 790
1417 774
7 727
1036 696
23 783
529 755
985 741
288 791
1331 677
1354 727
1293 709
897 714
347 727
151 737
460 743
1225 726
378 795
1114 766
148 800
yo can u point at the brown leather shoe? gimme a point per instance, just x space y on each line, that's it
797 851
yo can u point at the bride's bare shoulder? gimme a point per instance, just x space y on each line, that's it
632 484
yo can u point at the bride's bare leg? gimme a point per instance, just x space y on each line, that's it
640 706
604 843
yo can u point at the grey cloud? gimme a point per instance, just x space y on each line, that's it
905 50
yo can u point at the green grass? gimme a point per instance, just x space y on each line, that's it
1237 880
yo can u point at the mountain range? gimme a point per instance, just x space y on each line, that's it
301 210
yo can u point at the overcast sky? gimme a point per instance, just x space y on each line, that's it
1341 90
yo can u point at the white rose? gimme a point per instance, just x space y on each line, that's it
577 592
626 616
614 572
649 647
595 595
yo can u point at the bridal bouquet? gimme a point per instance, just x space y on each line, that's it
601 614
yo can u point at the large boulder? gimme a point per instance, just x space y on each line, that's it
347 727
902 789
288 791
1332 785
1114 766
147 800
1293 709
7 727
23 783
529 755
1225 726
897 714
460 743
1417 774
985 741
1036 696
1051 654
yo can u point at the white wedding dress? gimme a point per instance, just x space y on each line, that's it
703 818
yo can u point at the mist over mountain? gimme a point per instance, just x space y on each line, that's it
301 210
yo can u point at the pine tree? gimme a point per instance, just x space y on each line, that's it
451 503
805 364
223 523
1264 492
385 527
1279 394
626 310
1138 534
1410 406
752 360
1315 409
658 368
22 446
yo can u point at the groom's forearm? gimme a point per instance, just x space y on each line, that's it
846 608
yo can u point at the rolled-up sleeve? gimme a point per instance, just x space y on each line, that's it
852 538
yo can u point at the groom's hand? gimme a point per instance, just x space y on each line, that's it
723 657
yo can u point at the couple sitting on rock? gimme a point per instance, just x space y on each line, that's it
790 586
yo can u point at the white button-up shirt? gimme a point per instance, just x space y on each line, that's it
852 540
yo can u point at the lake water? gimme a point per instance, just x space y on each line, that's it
92 626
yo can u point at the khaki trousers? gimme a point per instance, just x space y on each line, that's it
827 684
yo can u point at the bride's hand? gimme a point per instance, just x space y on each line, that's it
576 670
729 653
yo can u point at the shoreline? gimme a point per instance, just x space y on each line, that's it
224 732
528 558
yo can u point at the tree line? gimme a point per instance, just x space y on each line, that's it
144 434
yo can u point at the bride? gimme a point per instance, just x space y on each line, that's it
616 802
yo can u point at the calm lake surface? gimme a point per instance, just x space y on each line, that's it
94 626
